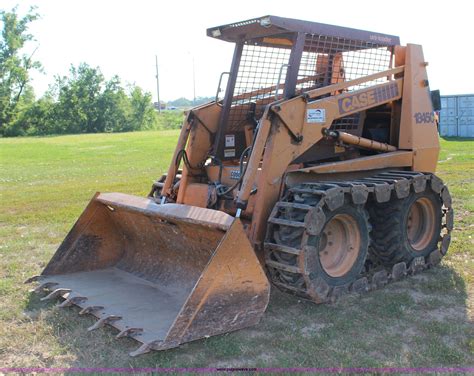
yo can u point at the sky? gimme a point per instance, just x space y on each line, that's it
123 37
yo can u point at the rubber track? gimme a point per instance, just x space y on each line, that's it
298 215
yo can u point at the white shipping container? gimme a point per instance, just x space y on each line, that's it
457 116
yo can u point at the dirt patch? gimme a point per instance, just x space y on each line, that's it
417 296
444 314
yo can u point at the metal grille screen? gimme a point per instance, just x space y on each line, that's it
329 60
256 80
326 60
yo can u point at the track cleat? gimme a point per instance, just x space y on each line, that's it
434 258
380 278
445 243
338 292
417 265
55 294
398 271
360 286
103 321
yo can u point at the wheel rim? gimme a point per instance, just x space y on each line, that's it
421 224
340 245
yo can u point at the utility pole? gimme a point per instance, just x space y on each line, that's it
158 85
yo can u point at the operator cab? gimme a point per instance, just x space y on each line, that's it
275 59
278 58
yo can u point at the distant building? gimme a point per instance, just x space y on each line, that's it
163 106
457 116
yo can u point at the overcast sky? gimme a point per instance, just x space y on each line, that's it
123 37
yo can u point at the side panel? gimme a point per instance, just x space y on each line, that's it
231 293
373 162
418 131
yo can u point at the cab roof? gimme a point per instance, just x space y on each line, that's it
258 28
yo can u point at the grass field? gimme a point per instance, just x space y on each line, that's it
45 183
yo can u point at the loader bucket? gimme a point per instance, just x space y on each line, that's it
161 274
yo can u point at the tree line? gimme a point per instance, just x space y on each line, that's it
184 102
82 102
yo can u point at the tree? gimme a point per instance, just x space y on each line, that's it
14 65
77 110
143 112
86 103
35 118
114 107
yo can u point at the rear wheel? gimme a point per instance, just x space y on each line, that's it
406 228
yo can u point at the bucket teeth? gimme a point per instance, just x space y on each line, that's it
34 278
55 294
90 309
44 286
143 349
129 331
70 301
103 321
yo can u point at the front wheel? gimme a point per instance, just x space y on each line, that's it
309 262
341 247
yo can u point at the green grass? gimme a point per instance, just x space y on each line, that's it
45 183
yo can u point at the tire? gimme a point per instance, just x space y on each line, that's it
304 269
404 229
340 250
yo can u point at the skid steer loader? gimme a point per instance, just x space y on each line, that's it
314 172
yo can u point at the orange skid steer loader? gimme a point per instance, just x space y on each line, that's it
313 172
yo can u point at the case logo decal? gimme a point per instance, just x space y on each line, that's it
368 98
